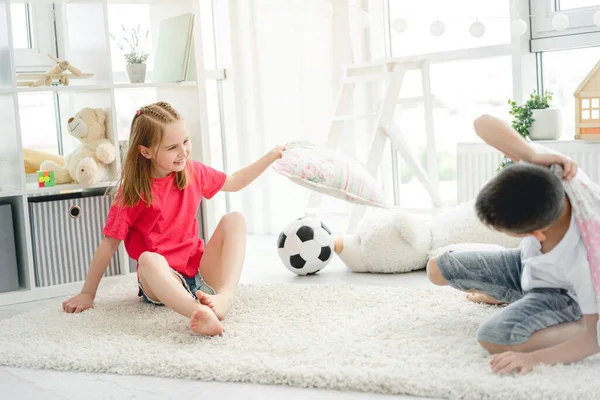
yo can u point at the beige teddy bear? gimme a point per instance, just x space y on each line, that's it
396 241
88 163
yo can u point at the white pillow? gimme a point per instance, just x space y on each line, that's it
331 173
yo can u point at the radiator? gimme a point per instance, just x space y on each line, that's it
477 163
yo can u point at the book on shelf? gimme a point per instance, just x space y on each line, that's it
175 58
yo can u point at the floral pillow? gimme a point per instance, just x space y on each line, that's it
329 172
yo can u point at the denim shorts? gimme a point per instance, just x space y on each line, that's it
498 274
190 284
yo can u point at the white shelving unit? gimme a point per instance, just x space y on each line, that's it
81 29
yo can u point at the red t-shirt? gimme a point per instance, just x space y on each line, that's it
169 226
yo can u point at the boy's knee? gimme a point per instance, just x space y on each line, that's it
495 348
434 274
497 336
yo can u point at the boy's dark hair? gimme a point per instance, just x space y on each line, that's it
521 199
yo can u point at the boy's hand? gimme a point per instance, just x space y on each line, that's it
505 362
277 152
78 303
546 159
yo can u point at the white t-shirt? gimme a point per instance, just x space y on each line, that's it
566 266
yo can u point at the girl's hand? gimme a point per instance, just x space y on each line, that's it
569 166
79 303
277 152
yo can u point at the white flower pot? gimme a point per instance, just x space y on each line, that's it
136 72
547 124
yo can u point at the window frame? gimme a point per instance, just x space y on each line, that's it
36 58
542 12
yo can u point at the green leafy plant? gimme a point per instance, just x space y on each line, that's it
522 114
133 51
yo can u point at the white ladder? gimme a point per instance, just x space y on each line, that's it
391 72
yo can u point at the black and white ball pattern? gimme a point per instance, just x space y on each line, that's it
305 246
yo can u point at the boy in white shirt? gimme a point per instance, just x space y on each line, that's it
552 314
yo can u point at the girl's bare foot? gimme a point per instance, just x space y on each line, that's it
220 303
205 322
483 298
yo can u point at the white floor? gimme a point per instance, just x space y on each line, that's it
262 266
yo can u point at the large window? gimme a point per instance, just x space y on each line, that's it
470 74
456 103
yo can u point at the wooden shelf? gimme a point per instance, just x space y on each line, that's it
173 85
11 193
34 190
91 88
70 88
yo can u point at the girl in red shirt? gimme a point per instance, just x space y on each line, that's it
154 213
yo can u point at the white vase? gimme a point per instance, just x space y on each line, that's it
547 124
136 72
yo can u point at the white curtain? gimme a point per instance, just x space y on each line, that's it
285 88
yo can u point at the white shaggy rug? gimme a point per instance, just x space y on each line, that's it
370 339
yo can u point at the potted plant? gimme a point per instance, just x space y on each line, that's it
536 119
134 53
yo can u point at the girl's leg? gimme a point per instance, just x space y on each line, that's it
161 284
221 264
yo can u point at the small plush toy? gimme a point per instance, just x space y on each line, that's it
34 158
87 164
396 241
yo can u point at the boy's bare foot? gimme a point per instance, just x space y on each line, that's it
483 298
219 303
205 322
338 244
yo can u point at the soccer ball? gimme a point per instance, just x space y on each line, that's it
305 246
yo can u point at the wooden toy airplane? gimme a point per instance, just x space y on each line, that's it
53 76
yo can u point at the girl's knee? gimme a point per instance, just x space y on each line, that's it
235 218
434 274
149 259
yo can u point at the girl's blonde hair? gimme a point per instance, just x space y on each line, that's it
147 129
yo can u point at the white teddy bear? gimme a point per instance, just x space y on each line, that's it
88 163
392 242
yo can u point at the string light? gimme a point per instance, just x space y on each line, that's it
399 25
477 29
518 27
437 28
560 22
